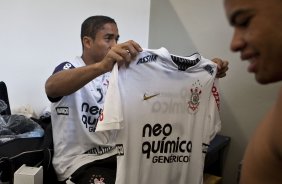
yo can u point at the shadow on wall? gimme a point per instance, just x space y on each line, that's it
166 30
233 155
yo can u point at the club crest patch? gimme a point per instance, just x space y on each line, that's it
194 101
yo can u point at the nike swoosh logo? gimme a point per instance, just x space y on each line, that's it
145 97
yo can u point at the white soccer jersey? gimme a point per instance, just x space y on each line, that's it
74 119
166 110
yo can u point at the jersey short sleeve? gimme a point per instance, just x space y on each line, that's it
63 66
214 113
111 117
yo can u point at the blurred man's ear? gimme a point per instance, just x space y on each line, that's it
86 40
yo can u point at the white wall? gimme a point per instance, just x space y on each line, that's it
184 26
36 35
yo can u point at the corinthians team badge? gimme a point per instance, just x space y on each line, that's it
194 101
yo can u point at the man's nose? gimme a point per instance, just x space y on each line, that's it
237 42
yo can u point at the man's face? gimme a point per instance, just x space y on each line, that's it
258 36
105 38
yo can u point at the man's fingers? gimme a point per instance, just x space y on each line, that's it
220 75
132 48
222 66
127 51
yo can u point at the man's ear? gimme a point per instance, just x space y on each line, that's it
87 41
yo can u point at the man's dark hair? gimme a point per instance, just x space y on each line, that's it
93 24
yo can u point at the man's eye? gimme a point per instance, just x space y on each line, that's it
243 22
108 39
